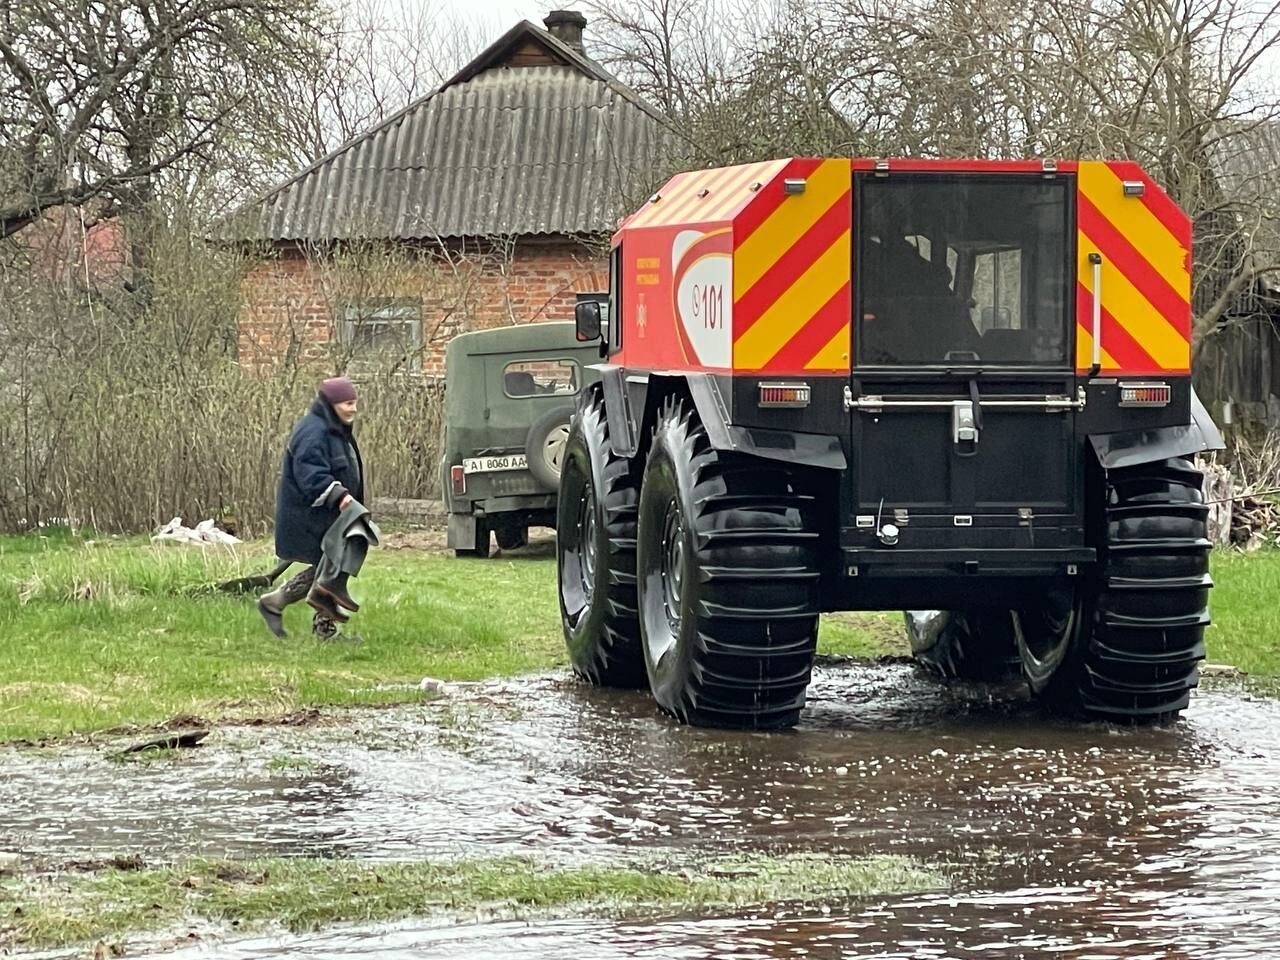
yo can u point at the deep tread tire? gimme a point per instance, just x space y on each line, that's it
1138 661
739 649
963 646
598 600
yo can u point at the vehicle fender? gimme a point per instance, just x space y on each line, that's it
631 402
1129 448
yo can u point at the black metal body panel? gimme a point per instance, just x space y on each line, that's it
1128 447
825 413
1103 414
940 590
631 400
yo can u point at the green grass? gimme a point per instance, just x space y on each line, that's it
61 909
98 635
101 635
1245 606
863 635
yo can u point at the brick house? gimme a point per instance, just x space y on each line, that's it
489 201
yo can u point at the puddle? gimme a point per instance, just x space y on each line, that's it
1075 841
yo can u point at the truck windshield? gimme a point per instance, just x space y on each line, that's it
962 270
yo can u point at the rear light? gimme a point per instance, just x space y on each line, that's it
1145 394
784 394
459 478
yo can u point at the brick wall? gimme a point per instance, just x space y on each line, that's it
292 302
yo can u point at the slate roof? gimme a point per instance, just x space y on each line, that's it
501 149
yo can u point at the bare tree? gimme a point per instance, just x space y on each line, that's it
378 57
1186 87
100 96
1174 84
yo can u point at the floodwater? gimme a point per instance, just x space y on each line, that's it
1064 840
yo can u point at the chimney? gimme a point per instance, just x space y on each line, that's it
567 26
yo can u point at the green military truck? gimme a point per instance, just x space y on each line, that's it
509 396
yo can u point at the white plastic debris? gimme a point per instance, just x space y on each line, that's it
202 533
433 687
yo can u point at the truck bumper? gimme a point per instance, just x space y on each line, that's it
1013 562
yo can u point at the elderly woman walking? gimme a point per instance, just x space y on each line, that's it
320 520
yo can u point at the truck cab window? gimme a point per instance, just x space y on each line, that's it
962 272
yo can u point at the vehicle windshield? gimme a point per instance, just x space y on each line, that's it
964 271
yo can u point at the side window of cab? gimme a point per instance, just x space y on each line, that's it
541 378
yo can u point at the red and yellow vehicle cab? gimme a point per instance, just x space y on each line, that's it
959 389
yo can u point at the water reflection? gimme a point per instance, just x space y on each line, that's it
1064 840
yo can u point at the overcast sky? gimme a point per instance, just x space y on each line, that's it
492 18
500 13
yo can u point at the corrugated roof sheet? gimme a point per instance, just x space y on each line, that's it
506 151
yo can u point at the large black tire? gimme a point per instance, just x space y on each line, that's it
727 556
545 445
962 645
1131 648
596 554
511 535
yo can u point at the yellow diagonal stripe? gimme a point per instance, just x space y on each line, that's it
690 208
791 311
1132 311
786 225
734 193
1139 225
1084 352
835 355
678 190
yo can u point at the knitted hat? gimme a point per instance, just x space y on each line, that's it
338 390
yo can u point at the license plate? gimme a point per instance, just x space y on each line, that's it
514 461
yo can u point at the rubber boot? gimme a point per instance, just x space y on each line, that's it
271 606
324 604
337 590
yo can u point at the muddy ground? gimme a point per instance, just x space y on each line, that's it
1067 840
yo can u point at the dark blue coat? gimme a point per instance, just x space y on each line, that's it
321 451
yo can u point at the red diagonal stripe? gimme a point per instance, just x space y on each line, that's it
816 240
1158 202
1116 340
1124 256
770 197
814 335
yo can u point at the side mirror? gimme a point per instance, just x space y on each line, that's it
588 320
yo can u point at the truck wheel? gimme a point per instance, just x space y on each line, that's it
545 444
596 555
511 535
963 646
1129 648
727 558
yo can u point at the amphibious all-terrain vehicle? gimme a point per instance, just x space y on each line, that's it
960 389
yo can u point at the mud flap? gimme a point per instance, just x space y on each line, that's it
1130 448
462 531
